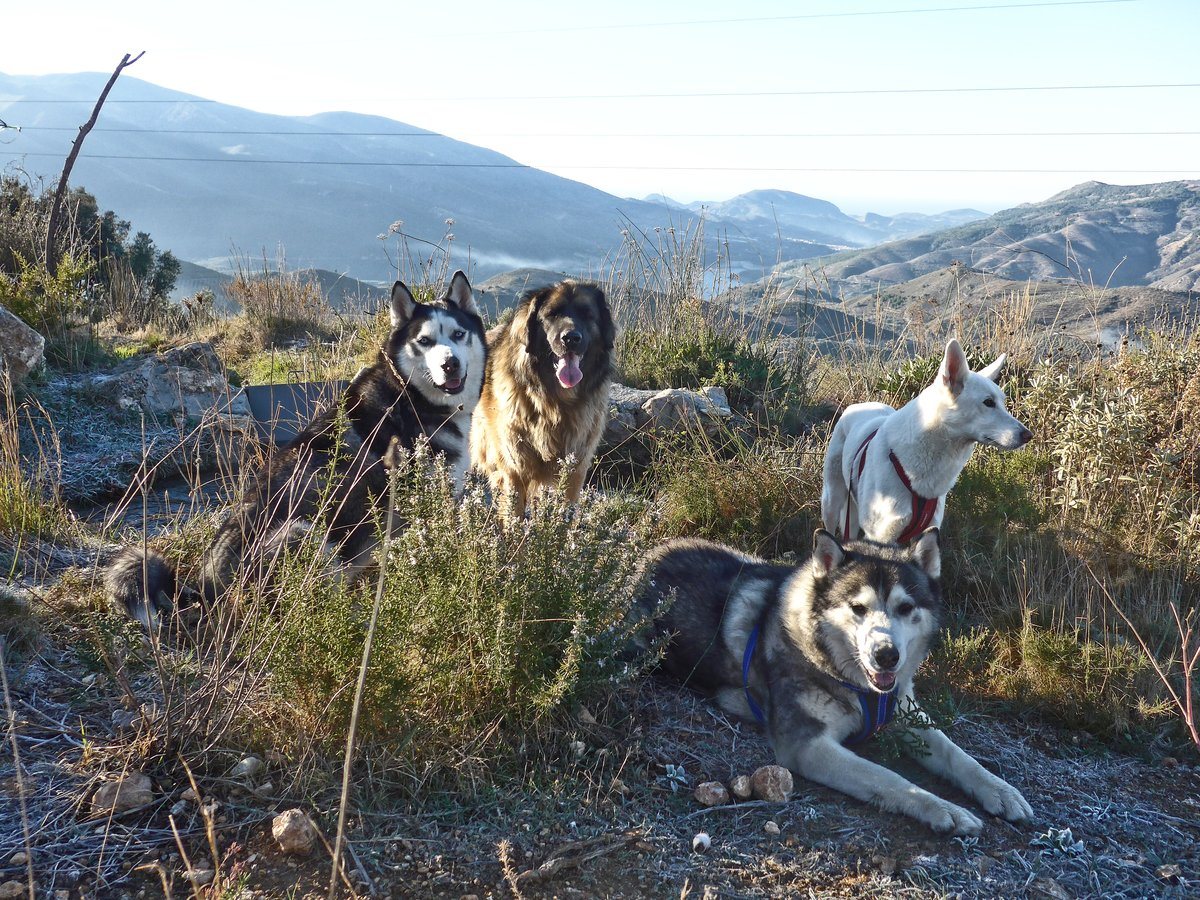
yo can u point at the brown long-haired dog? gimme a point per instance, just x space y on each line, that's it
546 394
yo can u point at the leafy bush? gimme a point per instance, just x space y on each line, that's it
485 630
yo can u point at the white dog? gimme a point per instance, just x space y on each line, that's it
887 471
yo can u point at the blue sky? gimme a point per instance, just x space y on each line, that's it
523 78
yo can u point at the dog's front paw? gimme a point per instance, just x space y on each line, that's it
946 818
1001 799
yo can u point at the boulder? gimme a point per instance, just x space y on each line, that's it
636 415
21 348
186 382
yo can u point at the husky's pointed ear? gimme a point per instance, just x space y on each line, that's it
926 552
992 372
827 553
955 368
459 293
403 304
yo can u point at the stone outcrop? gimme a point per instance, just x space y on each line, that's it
185 382
21 348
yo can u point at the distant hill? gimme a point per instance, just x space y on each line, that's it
1091 314
806 218
213 182
1095 234
343 292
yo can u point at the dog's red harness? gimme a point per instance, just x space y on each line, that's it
923 508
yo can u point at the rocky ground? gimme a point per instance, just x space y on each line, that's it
615 815
611 812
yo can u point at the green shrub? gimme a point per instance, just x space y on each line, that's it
485 630
759 493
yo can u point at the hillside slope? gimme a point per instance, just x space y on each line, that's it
1098 234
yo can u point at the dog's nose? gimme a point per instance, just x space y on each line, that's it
572 339
451 365
1024 437
886 657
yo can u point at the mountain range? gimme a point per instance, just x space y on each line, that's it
211 182
1100 235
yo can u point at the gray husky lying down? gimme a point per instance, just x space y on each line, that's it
821 655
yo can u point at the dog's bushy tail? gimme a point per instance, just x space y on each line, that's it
143 583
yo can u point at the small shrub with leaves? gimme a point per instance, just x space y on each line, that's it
486 630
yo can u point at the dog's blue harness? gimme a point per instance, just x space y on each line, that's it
877 709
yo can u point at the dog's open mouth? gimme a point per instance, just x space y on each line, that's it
882 681
568 371
453 385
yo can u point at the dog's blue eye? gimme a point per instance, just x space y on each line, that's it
904 609
424 341
459 335
989 402
858 609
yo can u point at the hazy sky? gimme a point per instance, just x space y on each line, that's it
702 100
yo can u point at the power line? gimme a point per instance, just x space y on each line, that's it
550 167
612 134
806 16
842 92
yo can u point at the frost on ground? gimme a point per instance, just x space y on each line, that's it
612 815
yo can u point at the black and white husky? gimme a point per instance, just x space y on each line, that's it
821 655
334 474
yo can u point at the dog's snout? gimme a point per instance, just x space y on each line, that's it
1024 437
572 339
886 657
451 365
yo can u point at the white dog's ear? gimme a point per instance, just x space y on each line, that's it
926 552
403 304
459 293
827 553
955 368
992 372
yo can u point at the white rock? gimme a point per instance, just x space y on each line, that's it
771 783
247 768
21 348
701 842
10 890
711 793
771 827
294 832
740 787
19 858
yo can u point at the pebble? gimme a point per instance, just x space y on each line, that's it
180 808
701 842
885 864
771 827
120 794
294 832
771 783
9 890
189 794
740 787
711 793
247 768
19 858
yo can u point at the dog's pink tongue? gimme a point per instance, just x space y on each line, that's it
568 371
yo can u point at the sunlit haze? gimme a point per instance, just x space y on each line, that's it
860 103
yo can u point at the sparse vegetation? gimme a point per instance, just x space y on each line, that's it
1070 567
